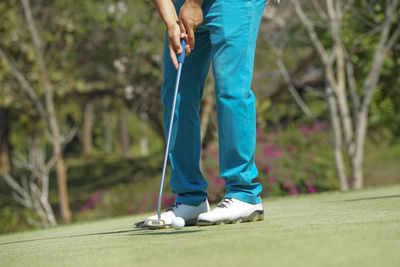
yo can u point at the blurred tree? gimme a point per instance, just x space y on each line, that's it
33 191
5 148
87 129
47 111
337 55
53 125
83 51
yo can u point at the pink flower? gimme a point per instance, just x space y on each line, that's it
272 151
131 207
259 133
286 184
267 168
167 201
214 178
318 127
272 179
155 202
95 199
305 130
291 148
310 188
273 135
294 191
143 201
312 176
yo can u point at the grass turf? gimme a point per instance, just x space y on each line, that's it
360 228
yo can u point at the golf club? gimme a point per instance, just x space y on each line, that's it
159 223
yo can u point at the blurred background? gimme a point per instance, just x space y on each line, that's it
81 134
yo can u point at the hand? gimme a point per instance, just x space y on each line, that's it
174 36
190 17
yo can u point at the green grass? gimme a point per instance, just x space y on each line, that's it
360 228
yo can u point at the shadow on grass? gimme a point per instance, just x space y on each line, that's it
372 198
68 236
152 232
141 232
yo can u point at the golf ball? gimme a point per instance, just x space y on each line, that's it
178 223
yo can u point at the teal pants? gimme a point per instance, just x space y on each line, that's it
227 38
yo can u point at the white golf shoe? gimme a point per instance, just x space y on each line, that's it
187 212
231 210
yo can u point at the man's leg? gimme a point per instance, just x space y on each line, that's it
233 28
186 179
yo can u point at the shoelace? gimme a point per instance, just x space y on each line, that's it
225 202
173 207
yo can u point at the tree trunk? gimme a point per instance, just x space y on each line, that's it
342 100
41 192
123 127
63 189
53 124
358 157
88 117
144 141
386 42
108 131
337 138
5 148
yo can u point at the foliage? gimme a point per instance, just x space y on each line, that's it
111 51
9 219
113 186
297 160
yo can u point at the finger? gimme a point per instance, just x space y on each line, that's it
182 27
177 45
187 50
172 55
190 32
186 37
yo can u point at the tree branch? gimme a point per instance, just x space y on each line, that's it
393 38
297 98
380 53
347 7
352 83
14 185
319 9
24 83
311 32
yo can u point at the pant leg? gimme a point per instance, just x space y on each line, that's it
233 26
186 179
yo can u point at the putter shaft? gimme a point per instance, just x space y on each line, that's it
171 121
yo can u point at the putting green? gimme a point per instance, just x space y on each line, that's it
360 228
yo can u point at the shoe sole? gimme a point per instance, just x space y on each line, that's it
257 215
190 222
142 225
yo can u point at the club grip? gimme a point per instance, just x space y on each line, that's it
181 57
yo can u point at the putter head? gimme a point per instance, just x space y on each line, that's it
140 224
156 224
151 224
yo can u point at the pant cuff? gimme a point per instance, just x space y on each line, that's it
190 199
